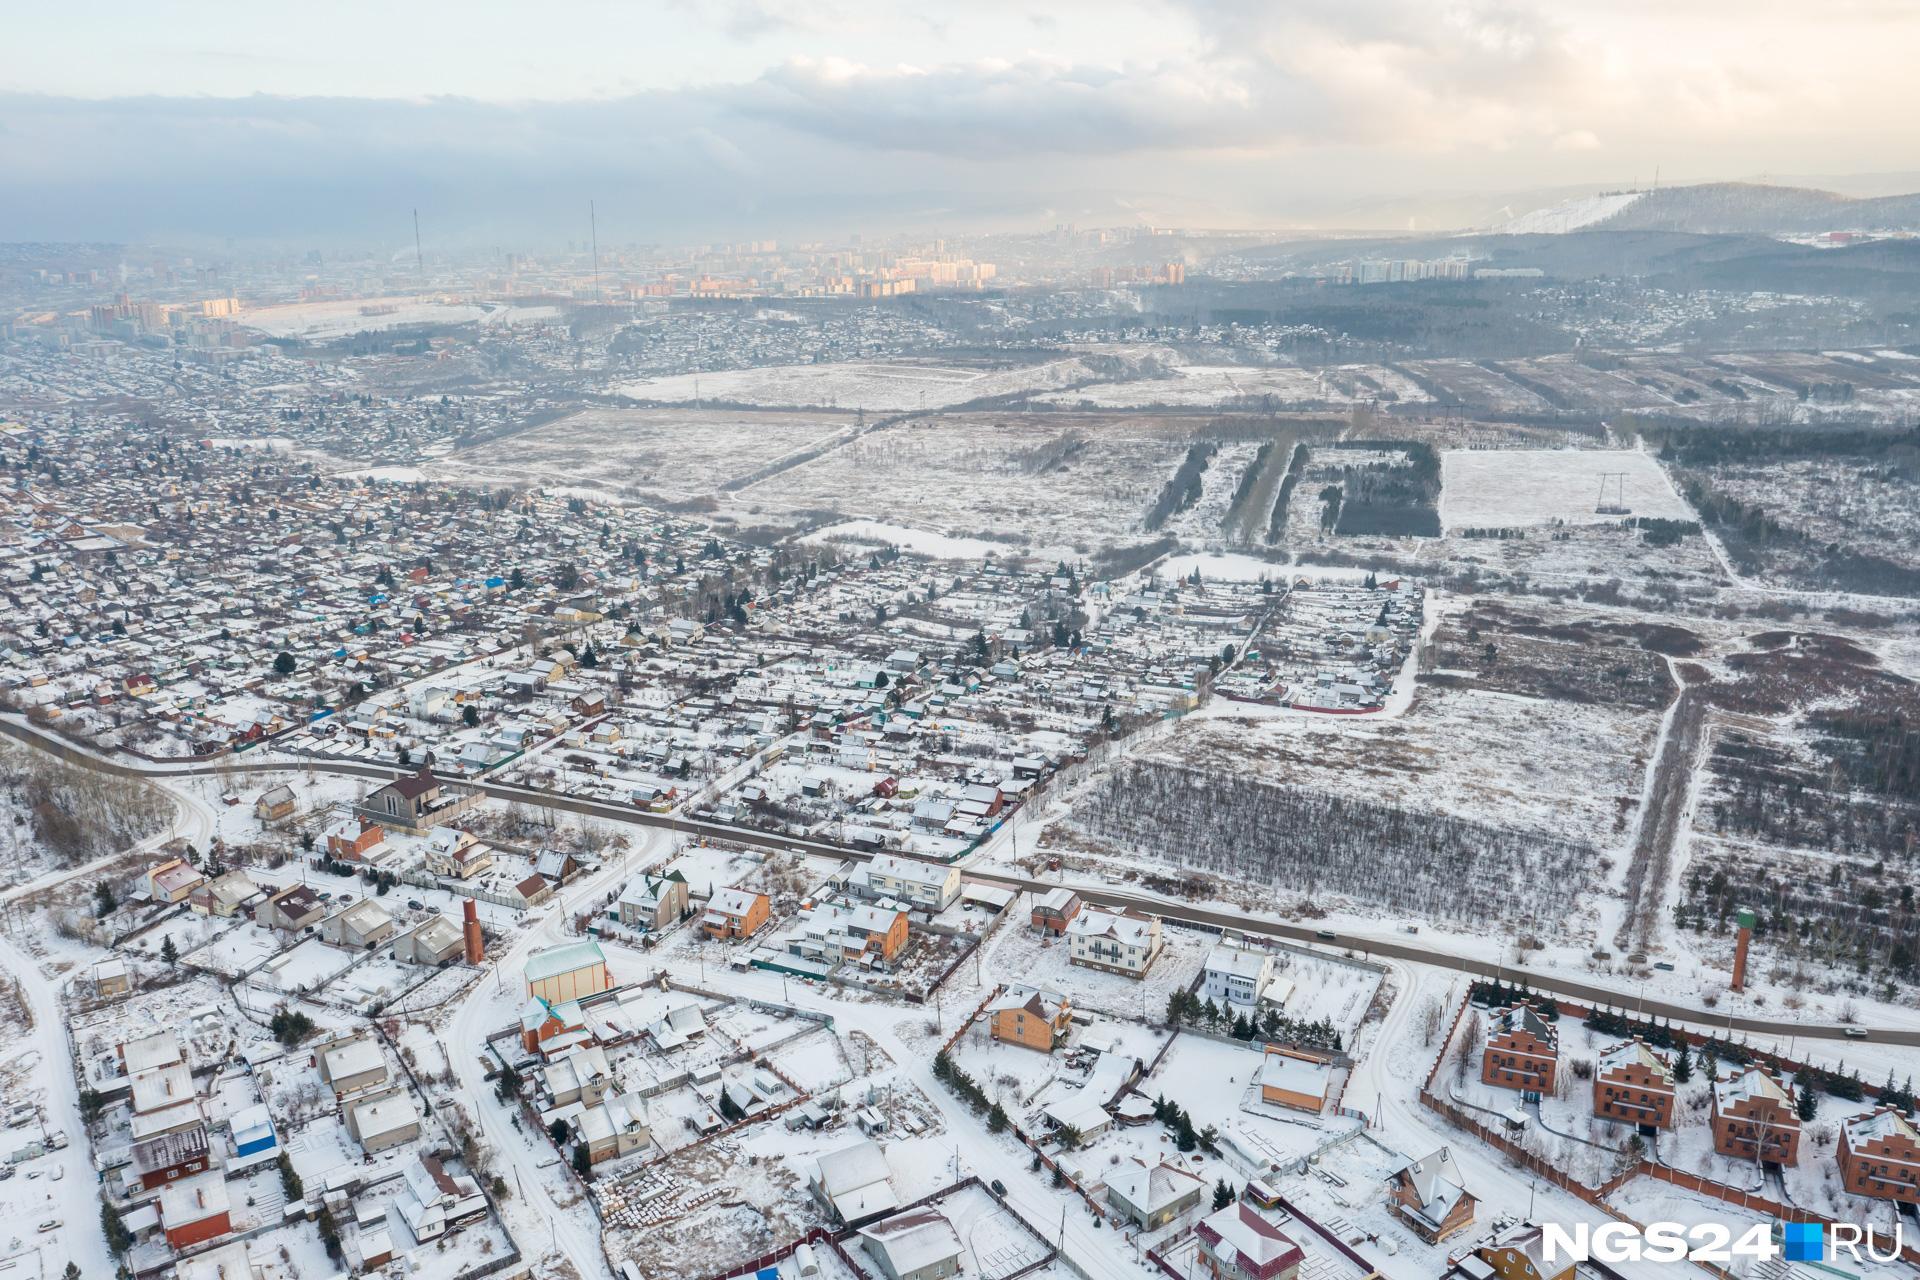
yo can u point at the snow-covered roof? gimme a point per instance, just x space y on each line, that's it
555 961
912 1241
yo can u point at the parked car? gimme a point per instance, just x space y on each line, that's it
414 904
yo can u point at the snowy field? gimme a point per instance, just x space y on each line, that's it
320 321
874 387
1570 215
917 542
1502 488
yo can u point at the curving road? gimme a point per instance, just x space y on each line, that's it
1381 945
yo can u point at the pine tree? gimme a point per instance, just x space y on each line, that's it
169 952
1683 1065
996 1119
1222 1194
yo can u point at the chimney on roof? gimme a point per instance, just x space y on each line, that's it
476 944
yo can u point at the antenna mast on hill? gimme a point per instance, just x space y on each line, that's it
419 258
593 221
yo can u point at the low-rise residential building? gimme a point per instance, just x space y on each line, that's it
195 1210
1235 975
1879 1156
1633 1084
1296 1080
1519 1252
275 803
173 880
1152 1195
384 1120
436 1201
854 1183
360 926
1125 942
928 886
352 1065
1431 1197
353 838
652 901
1029 1017
1237 1243
920 1244
223 896
171 1157
1054 910
434 940
457 853
292 909
1754 1116
735 913
1521 1051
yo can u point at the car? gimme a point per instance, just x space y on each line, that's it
1855 1033
326 895
1325 935
51 1224
999 1187
414 904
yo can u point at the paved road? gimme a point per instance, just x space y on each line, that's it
1168 908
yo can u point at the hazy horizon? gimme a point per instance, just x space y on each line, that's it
767 119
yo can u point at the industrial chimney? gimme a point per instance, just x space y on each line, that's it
1744 918
476 944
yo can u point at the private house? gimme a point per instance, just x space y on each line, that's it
195 1210
222 896
1235 975
435 940
735 913
1029 1017
546 1027
613 1127
928 886
351 1066
291 909
1521 1051
173 880
1124 942
839 933
557 866
110 978
1237 1243
569 972
171 1157
1879 1156
1295 1080
1053 910
532 891
1754 1115
435 1201
581 1074
1152 1195
360 927
652 902
920 1244
384 1120
1518 1252
417 803
276 804
854 1183
1430 1196
1634 1084
456 853
352 838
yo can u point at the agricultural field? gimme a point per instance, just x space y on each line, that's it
668 456
875 387
1019 481
1507 488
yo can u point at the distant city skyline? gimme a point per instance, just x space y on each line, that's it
773 119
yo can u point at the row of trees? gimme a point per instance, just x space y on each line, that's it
1186 1008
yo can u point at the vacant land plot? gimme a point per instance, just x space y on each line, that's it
321 321
1505 488
668 455
1013 479
872 386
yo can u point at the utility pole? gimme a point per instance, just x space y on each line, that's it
419 258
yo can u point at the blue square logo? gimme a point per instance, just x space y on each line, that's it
1803 1241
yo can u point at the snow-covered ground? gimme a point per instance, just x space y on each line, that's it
1569 215
855 385
1504 488
321 321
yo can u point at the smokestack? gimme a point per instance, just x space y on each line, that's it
1744 917
476 944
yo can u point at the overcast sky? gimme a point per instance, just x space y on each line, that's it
730 118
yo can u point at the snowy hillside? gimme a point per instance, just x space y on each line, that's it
1571 215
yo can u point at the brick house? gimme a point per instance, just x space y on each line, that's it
1237 1243
1879 1156
1430 1196
1633 1084
1029 1017
1522 1051
351 839
1054 910
735 913
1753 1109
